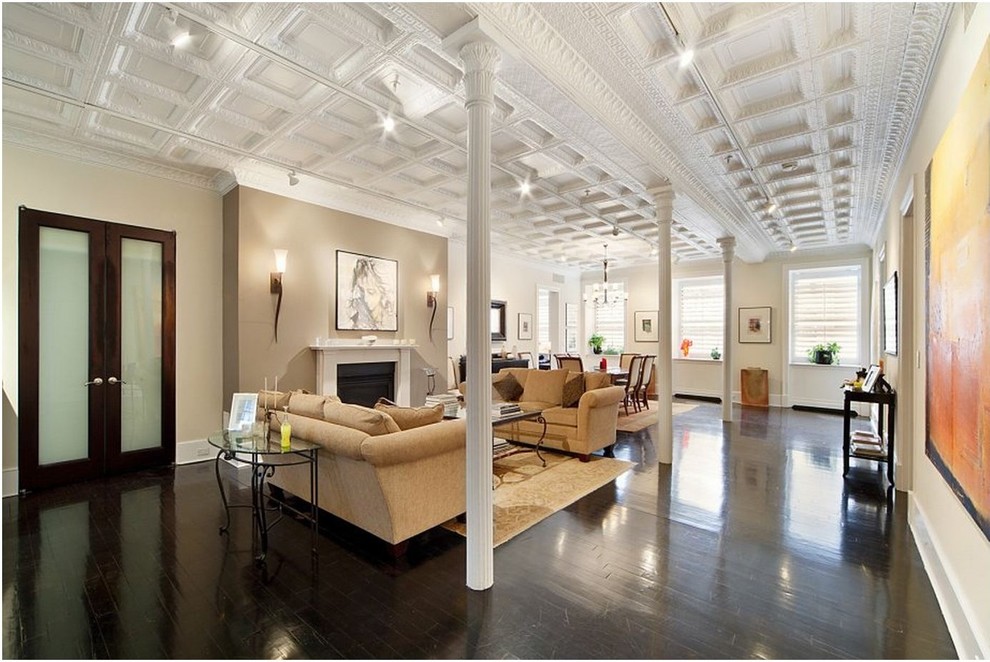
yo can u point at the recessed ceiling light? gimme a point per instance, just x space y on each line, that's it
389 124
182 40
772 208
654 251
686 56
524 188
793 247
440 221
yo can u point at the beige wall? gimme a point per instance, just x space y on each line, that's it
51 183
956 552
312 235
516 282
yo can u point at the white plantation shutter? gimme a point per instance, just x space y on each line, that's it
825 307
543 318
700 316
610 319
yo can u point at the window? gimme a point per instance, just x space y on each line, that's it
542 318
700 316
825 307
608 319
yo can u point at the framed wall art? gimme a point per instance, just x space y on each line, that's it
367 293
754 324
525 326
647 325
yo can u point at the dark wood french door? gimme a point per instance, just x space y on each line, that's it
97 348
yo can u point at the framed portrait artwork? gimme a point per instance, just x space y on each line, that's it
754 324
646 323
367 293
525 326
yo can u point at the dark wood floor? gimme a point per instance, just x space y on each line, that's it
754 546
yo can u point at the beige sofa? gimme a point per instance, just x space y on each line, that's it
583 428
390 482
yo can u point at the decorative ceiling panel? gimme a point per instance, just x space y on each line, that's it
808 105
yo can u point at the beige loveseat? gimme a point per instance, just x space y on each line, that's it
390 482
582 428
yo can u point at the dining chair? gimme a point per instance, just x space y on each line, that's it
635 376
624 360
528 356
572 363
644 380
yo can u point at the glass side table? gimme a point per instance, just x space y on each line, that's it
265 454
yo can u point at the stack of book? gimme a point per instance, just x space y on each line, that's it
500 409
449 402
867 443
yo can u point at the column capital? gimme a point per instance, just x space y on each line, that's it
662 192
728 246
479 57
663 201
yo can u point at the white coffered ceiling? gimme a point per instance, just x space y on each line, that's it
807 106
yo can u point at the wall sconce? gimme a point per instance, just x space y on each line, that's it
431 300
276 282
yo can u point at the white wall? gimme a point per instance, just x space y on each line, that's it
51 183
955 551
514 281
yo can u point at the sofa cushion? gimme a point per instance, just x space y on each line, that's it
408 418
593 380
359 418
273 399
573 390
561 416
507 386
308 404
545 385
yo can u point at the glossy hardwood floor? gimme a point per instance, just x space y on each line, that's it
754 546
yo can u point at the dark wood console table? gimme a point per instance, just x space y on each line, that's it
883 399
497 364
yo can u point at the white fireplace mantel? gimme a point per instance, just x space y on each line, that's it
328 357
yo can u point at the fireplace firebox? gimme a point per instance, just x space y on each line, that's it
364 383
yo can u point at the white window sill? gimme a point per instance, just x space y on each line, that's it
809 364
695 360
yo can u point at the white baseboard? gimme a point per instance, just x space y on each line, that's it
10 482
775 399
196 450
970 643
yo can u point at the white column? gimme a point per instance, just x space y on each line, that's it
480 59
663 198
728 245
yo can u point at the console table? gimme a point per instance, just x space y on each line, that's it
882 399
497 364
265 453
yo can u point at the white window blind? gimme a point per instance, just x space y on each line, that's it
543 318
701 314
825 307
609 319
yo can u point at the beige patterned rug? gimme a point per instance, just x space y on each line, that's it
635 422
527 493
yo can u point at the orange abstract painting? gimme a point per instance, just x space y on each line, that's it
958 266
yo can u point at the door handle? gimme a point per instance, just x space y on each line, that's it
96 382
114 380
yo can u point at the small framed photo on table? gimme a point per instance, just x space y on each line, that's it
243 408
872 375
754 324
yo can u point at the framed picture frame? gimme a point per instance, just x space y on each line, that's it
647 325
889 316
570 315
872 375
755 324
525 326
450 322
497 321
367 293
570 340
243 409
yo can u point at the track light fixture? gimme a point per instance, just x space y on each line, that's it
293 180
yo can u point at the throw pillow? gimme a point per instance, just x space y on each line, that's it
544 386
359 418
306 404
408 418
573 390
508 387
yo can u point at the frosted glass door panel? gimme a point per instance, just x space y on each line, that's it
63 346
140 345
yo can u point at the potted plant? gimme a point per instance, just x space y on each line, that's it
824 353
596 341
715 354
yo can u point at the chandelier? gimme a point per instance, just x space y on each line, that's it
602 293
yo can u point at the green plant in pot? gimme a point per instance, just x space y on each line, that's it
596 341
824 353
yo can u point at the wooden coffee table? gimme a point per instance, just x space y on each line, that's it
527 415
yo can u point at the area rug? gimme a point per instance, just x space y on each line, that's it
527 493
646 418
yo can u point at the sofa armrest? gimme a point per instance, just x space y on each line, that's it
333 438
414 444
601 397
